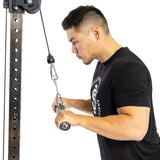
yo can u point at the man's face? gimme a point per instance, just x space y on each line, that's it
83 45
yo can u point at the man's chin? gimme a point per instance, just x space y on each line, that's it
87 62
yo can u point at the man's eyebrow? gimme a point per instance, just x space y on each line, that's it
72 39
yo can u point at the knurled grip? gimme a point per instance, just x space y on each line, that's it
64 125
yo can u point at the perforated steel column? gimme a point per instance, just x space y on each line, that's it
15 86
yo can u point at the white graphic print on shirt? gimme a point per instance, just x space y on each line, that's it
95 102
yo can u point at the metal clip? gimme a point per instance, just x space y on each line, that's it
58 96
53 72
54 77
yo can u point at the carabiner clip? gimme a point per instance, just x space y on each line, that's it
57 99
53 72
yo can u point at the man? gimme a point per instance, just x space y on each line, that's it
121 92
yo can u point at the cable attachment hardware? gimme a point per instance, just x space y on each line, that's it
59 105
54 77
58 96
19 6
50 59
53 72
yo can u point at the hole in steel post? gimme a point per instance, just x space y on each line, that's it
16 19
14 157
16 50
14 138
15 69
15 79
16 40
14 128
15 99
16 30
15 89
14 118
15 108
16 60
13 147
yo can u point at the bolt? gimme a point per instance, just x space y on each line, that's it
15 8
29 1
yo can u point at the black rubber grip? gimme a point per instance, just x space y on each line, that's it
64 125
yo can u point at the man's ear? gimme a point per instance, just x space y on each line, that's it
96 32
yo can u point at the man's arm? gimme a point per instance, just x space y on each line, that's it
80 104
131 123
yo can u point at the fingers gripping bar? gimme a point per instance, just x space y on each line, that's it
64 125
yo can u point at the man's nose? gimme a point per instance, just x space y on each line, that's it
74 49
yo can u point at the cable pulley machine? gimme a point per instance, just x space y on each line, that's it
16 9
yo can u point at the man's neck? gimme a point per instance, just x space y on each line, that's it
108 47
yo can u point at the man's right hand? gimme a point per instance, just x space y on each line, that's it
66 103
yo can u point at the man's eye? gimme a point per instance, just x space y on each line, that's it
74 43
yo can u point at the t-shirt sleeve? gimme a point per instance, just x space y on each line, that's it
132 86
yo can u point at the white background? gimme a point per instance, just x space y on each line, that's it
135 24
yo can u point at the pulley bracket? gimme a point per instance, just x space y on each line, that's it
19 6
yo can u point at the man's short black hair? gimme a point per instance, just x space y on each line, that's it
83 15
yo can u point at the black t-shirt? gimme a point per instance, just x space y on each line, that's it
124 80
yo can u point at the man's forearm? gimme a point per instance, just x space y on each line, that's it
118 127
82 105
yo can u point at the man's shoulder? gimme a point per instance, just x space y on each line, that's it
127 59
